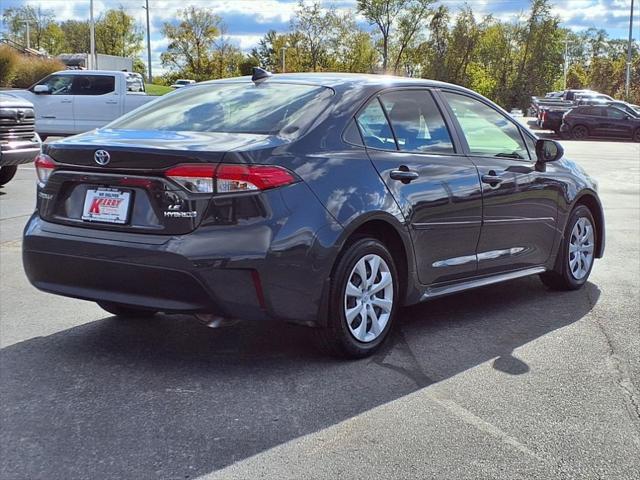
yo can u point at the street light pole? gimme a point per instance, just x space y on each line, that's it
92 34
148 42
628 81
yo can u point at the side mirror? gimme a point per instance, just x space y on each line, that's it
548 150
41 89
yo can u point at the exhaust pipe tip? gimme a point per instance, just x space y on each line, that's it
215 321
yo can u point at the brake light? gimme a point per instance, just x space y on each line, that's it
196 178
44 168
246 178
229 178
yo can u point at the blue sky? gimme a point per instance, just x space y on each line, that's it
248 20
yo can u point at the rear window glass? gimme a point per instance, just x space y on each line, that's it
267 108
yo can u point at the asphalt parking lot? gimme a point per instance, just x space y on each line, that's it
505 382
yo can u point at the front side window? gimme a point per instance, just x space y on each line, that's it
488 132
268 108
417 122
93 84
58 84
375 129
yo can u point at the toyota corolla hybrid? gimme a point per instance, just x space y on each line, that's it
328 200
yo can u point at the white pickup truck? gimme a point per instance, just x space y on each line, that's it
75 101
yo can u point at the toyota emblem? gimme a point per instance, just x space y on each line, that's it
102 157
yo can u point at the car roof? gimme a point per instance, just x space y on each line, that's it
345 80
95 72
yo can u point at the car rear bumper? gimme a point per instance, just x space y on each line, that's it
71 261
17 153
276 268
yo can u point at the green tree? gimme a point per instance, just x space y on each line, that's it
39 20
313 23
117 33
76 36
190 41
577 77
405 16
350 48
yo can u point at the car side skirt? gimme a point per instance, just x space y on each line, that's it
435 291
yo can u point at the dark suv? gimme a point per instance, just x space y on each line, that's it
328 200
19 142
600 121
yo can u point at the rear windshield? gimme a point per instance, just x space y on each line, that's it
268 108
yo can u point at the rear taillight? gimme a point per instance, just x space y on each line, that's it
195 178
229 178
44 168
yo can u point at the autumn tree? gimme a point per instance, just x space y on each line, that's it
398 22
190 41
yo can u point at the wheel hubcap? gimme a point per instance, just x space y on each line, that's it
581 246
368 298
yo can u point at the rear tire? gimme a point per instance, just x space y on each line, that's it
636 135
364 297
580 132
124 311
576 254
7 173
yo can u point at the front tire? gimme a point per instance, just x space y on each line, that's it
363 300
577 253
7 173
124 311
636 135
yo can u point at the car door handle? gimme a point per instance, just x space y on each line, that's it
492 178
112 102
404 175
66 101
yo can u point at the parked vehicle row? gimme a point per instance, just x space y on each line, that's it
75 101
607 118
19 142
322 199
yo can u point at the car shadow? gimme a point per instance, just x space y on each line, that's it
169 398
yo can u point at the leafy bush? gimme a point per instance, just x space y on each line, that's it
31 69
9 59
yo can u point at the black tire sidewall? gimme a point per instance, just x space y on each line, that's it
7 173
579 212
580 128
337 320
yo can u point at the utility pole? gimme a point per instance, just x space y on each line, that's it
283 50
628 82
566 61
28 34
148 43
92 34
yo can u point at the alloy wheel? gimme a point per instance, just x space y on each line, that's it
368 298
581 247
580 132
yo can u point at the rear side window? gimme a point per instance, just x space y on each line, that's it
267 108
375 129
93 84
417 122
488 132
591 111
616 114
